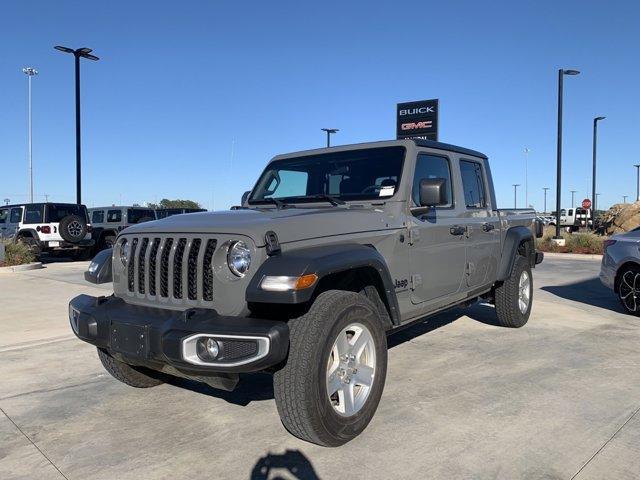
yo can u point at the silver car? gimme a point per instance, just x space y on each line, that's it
620 269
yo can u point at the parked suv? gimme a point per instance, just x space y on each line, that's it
332 250
48 227
107 222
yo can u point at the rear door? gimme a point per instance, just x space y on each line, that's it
15 217
482 223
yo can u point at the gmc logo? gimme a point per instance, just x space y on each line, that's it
417 125
417 111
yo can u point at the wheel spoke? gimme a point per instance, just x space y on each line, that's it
360 342
626 283
333 384
364 376
347 399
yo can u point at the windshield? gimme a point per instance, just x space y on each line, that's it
55 213
365 174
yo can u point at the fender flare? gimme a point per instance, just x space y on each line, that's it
513 238
32 232
323 261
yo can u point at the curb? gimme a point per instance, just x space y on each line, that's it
572 256
22 268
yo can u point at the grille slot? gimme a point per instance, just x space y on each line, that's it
207 271
175 269
141 265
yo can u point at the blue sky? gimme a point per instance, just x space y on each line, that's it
191 99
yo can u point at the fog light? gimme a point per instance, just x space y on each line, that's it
208 349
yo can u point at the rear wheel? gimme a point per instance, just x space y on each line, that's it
628 287
514 296
330 387
132 376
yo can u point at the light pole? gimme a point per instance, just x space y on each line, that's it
329 132
30 72
637 182
624 198
526 177
515 195
6 201
573 196
593 176
561 73
545 198
78 53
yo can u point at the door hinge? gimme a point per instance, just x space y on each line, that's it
414 235
416 281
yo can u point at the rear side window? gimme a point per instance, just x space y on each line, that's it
16 215
473 184
97 216
34 214
4 215
430 167
134 215
114 216
57 212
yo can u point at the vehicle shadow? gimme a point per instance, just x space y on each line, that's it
292 464
590 292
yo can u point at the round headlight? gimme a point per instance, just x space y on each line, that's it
125 251
239 258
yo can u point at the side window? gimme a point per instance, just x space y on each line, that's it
570 212
4 215
97 216
432 166
16 215
33 214
473 184
114 216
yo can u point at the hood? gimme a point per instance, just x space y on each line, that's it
290 224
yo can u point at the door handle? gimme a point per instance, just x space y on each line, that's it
457 230
487 227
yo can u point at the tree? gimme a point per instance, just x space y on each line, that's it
166 203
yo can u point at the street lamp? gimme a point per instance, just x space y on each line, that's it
637 182
624 198
30 72
545 198
561 73
593 177
573 195
329 132
515 195
526 176
78 53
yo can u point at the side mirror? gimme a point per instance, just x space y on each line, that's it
245 197
433 192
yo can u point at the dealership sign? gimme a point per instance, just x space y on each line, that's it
418 120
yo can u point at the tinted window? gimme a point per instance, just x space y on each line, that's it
97 216
350 175
473 184
4 215
134 215
16 215
33 213
57 212
114 216
431 166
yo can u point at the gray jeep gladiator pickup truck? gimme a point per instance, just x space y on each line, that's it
331 250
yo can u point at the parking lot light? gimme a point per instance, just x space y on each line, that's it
329 132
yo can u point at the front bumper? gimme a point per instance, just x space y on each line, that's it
155 337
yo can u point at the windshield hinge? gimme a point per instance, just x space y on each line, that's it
414 235
416 281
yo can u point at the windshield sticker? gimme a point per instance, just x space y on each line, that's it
387 191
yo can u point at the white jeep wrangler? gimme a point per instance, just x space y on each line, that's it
48 227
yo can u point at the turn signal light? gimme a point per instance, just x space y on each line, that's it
306 281
284 283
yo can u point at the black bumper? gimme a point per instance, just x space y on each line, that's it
153 337
64 245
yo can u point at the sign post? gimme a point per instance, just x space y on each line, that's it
418 119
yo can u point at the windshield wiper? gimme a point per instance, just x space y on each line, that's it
278 203
329 198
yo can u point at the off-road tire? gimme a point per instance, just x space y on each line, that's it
507 296
633 299
132 376
78 231
300 386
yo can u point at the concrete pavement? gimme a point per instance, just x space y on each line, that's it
464 398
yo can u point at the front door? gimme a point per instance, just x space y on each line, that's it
482 222
15 217
436 236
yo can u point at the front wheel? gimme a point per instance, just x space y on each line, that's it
515 295
133 376
330 387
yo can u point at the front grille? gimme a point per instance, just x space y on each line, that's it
176 268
